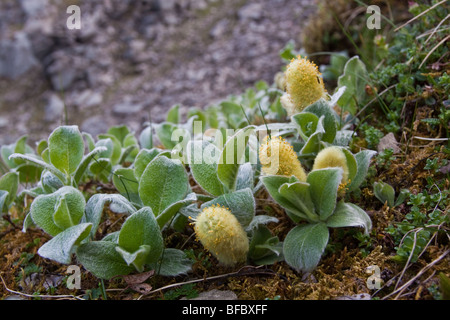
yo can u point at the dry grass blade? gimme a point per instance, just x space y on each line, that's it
407 284
432 50
419 15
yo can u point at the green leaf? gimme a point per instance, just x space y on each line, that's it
141 229
173 116
130 149
362 161
349 215
164 132
232 156
203 158
173 263
61 216
144 157
41 164
166 216
127 184
351 164
6 151
260 219
89 140
9 182
44 207
146 138
354 78
50 183
107 146
116 147
101 168
304 245
444 286
323 108
102 260
241 204
273 185
29 173
3 196
61 247
401 197
324 185
306 123
312 145
245 177
66 148
84 164
20 147
136 258
95 205
264 247
298 193
163 183
384 192
120 132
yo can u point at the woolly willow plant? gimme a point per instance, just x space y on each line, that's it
278 157
221 234
304 85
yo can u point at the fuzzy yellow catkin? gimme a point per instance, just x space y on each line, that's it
332 157
222 235
304 84
278 157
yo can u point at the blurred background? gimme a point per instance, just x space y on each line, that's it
133 60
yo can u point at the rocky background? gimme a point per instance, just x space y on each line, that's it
132 60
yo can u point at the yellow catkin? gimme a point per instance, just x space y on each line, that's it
222 235
304 84
278 157
332 157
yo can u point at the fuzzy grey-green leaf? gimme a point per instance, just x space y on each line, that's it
44 206
60 248
9 182
349 215
362 161
324 185
304 245
102 259
95 205
66 148
203 159
163 183
173 262
140 229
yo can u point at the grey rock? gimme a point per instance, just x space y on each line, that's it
54 108
14 297
4 122
33 8
95 125
388 141
65 70
167 4
251 11
359 296
16 56
127 107
215 295
88 99
49 281
219 29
